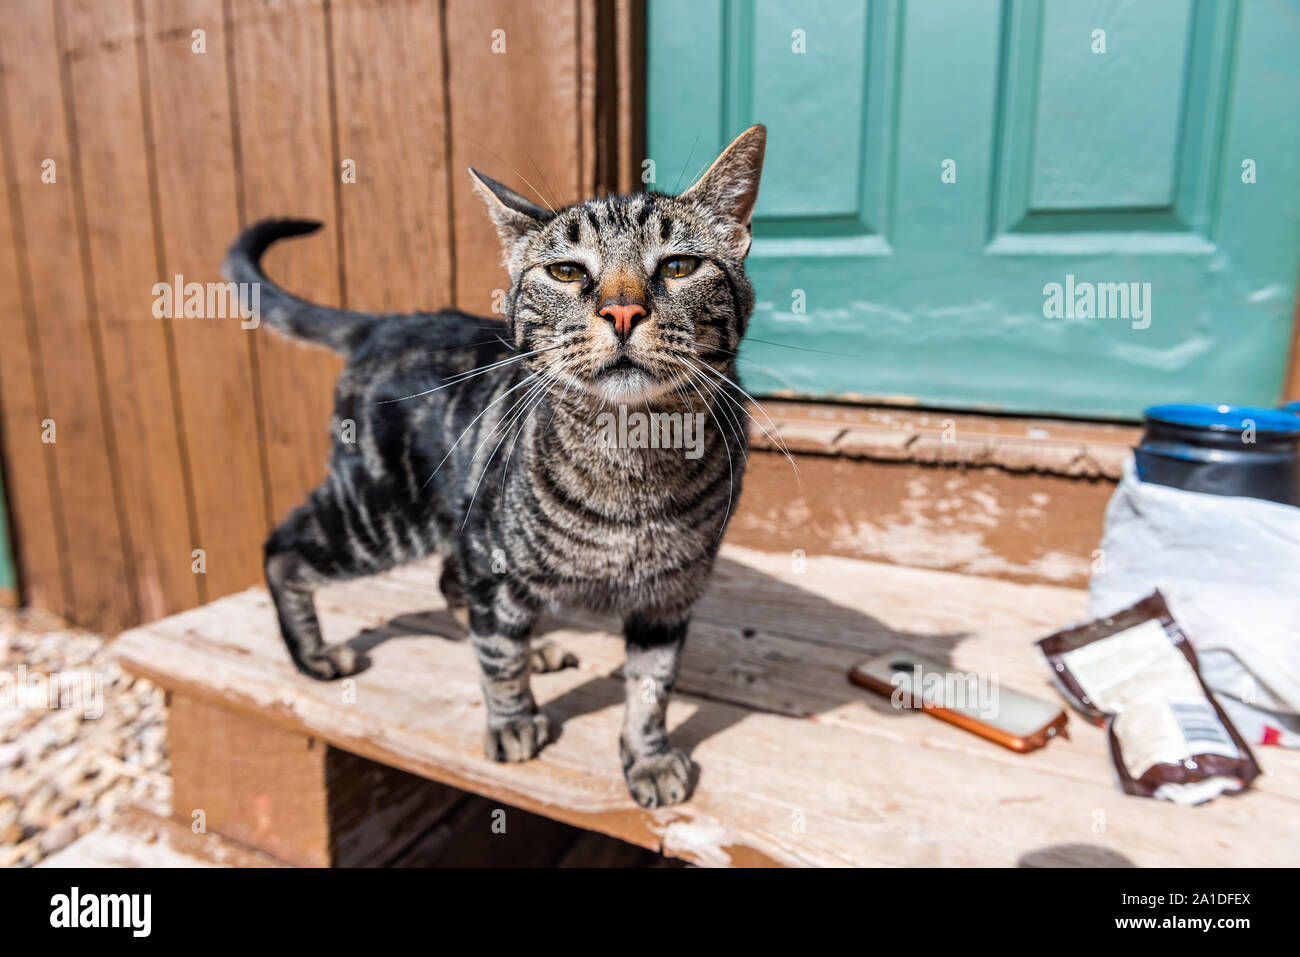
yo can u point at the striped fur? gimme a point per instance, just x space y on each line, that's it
481 442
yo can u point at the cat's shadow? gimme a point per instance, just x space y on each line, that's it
758 643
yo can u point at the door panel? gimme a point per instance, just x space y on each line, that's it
1130 160
828 88
1085 146
1072 167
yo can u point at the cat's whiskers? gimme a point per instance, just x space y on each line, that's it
470 374
725 410
545 182
725 381
516 172
463 346
739 444
779 442
505 469
539 390
770 373
506 419
467 428
767 371
786 345
687 162
720 407
731 472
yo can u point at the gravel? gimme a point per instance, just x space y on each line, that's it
65 769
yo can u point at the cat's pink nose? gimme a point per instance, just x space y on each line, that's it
624 315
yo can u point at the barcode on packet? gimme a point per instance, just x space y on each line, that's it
1202 728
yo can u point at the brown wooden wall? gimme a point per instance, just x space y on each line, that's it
172 435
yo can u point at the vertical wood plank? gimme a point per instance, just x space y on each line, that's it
388 73
287 155
613 79
28 472
515 116
628 53
193 157
102 62
100 590
591 17
292 796
249 780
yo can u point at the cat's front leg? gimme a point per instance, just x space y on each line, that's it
500 625
656 774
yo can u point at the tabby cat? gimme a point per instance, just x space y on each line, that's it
489 444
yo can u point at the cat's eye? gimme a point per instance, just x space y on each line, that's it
678 266
567 272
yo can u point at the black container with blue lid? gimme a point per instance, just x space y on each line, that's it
1223 450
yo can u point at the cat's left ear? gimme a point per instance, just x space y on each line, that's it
730 186
513 215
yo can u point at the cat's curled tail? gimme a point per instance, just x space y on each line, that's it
337 329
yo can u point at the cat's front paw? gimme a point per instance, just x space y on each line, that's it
658 780
517 739
330 662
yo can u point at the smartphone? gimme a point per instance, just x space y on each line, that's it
978 703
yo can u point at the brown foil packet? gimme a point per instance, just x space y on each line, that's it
1135 673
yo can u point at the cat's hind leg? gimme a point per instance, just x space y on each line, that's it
334 536
453 591
544 656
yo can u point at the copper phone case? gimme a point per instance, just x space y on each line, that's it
1030 741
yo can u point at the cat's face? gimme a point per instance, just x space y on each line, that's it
628 295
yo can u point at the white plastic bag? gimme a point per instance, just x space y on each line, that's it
1229 568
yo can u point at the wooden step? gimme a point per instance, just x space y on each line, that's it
797 766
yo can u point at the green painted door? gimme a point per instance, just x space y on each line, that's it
8 577
948 184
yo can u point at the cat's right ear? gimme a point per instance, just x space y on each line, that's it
730 186
513 215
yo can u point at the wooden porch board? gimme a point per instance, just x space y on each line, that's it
797 766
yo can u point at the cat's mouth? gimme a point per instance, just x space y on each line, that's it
626 380
624 364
